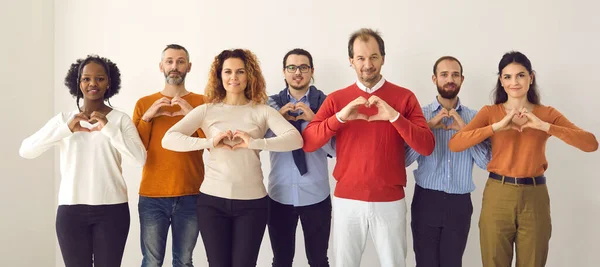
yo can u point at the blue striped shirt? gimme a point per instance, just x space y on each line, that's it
443 170
286 185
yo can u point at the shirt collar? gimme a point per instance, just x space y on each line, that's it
302 99
435 105
374 88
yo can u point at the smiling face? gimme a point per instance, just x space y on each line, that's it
175 65
367 60
448 78
94 81
515 80
234 75
298 72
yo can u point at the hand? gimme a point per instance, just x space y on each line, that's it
100 119
437 121
185 106
285 109
154 110
506 123
74 124
457 123
218 140
533 121
350 111
307 113
245 139
384 111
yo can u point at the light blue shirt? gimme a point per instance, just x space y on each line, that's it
286 186
443 170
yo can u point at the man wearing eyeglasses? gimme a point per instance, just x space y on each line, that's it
299 181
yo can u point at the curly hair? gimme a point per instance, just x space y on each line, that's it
255 90
74 76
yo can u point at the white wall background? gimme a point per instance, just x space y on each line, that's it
42 38
27 193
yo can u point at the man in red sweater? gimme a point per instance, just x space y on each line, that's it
371 119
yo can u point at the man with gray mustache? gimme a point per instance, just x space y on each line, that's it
170 180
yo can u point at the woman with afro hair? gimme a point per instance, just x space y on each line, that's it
92 220
233 204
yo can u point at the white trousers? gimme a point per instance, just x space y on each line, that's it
353 220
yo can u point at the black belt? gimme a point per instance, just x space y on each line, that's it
522 180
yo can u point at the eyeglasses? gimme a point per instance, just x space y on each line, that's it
303 68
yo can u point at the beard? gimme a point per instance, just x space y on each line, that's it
176 80
303 85
370 75
448 94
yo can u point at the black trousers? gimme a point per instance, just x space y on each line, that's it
440 227
92 234
232 230
316 225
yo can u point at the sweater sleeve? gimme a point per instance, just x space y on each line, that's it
50 135
286 137
414 129
144 128
474 133
178 138
125 138
565 130
322 127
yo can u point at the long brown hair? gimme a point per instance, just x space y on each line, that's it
499 94
256 89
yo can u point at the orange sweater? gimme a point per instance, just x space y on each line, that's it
167 173
520 154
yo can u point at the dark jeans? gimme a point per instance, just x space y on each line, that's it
92 234
316 225
232 230
440 227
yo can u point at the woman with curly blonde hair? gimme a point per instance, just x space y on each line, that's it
233 204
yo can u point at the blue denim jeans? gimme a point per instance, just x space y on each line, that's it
156 215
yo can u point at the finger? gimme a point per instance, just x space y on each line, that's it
285 109
360 101
82 116
162 100
163 105
177 113
357 103
373 98
241 135
239 145
302 106
96 115
300 117
529 115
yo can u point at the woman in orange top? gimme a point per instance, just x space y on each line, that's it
516 206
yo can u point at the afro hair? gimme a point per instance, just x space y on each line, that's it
74 76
